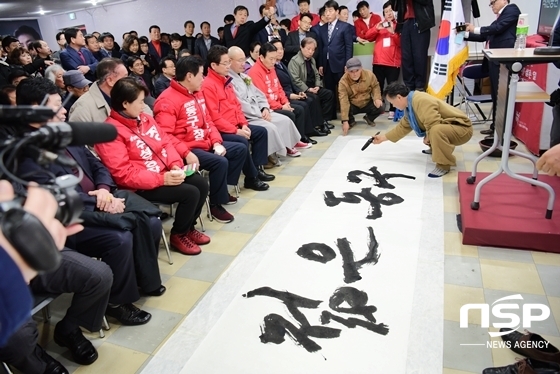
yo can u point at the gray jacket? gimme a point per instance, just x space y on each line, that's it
251 98
298 71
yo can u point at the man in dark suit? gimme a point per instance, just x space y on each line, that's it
76 56
205 42
293 42
271 31
241 32
322 21
156 48
500 34
167 67
335 48
188 39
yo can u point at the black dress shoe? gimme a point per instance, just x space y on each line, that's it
525 366
318 132
83 352
326 129
487 132
265 177
307 139
129 314
157 292
255 184
53 366
329 125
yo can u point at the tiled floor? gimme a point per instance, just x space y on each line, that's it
472 275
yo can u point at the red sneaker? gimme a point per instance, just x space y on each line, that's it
198 237
232 200
302 145
183 244
220 214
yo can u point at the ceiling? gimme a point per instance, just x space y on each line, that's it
32 8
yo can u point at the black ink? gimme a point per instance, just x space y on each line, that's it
380 179
375 202
275 327
309 252
349 265
357 301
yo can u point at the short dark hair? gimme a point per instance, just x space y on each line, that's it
331 4
266 48
183 51
220 29
394 89
355 14
7 41
253 45
106 67
261 8
163 34
387 5
106 35
17 73
362 4
342 7
133 32
131 60
35 44
204 23
70 33
175 36
275 41
143 40
88 37
215 54
58 34
240 8
185 65
186 23
126 90
303 1
5 90
229 18
308 15
127 34
321 11
163 64
307 40
153 27
32 91
286 22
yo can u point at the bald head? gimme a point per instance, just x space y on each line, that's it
237 57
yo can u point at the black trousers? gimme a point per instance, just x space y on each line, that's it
191 195
90 282
312 110
257 153
371 111
298 118
114 247
389 73
325 98
414 48
331 80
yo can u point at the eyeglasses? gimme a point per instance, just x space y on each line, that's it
228 63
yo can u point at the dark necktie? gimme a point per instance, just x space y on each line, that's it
82 57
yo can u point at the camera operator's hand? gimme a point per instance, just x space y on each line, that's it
42 204
104 199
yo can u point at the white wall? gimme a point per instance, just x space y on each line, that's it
141 14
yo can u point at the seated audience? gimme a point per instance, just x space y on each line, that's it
130 47
54 73
167 74
136 70
144 52
93 46
442 126
358 92
76 56
20 58
142 158
16 76
181 112
254 50
226 114
111 48
205 42
8 94
306 78
265 79
282 133
76 85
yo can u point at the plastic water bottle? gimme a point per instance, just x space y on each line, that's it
522 31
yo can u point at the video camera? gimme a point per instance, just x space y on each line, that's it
45 145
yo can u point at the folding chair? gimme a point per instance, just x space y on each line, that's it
163 234
475 72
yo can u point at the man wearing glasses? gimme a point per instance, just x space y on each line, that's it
500 34
167 66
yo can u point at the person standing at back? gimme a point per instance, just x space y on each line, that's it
241 32
415 18
500 34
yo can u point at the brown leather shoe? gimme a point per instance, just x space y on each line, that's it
532 346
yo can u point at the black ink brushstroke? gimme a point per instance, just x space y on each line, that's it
375 202
356 299
349 265
309 252
380 328
380 179
275 326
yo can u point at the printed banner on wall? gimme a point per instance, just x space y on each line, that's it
451 50
25 31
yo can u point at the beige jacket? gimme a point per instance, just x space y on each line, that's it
429 111
357 93
92 107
